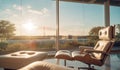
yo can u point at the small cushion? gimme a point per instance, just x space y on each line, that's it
101 46
107 33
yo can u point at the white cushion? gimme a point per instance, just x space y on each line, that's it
106 33
101 46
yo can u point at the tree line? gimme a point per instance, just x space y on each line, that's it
6 30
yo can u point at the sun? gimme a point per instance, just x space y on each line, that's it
29 26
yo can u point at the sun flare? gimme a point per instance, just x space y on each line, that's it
29 26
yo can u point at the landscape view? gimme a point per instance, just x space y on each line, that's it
29 25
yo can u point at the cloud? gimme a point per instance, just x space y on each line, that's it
35 12
18 13
29 10
29 7
42 12
15 15
17 7
14 5
7 10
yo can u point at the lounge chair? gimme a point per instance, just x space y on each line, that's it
96 55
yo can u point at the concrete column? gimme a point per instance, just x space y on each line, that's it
107 12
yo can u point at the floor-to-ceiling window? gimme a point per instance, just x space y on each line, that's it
34 24
80 23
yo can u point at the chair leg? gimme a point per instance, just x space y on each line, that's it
64 62
91 67
88 68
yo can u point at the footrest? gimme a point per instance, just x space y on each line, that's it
64 54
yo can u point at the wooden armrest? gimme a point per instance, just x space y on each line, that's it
82 48
85 47
95 51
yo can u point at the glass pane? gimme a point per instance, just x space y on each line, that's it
34 22
76 22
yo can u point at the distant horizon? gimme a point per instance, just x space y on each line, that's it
49 35
39 18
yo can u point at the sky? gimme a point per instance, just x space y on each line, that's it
38 17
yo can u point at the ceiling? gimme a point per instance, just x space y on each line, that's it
112 2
